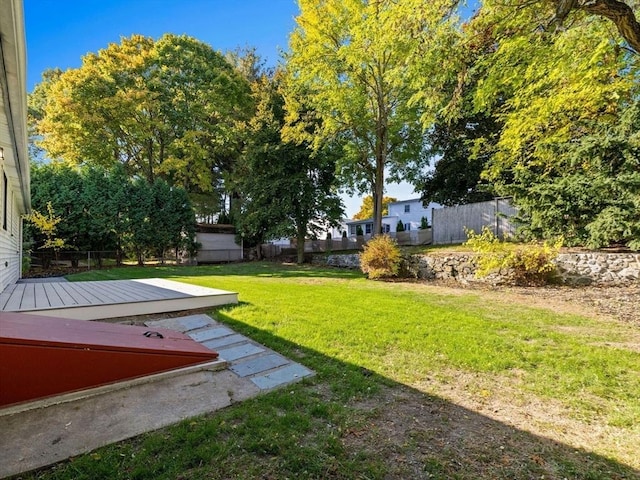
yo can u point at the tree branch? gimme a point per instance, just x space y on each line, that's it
618 12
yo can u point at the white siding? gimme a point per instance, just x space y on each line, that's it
14 164
10 243
416 211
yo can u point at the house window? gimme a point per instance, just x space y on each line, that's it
386 228
368 228
407 227
407 208
352 229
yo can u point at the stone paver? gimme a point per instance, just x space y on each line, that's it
283 376
210 334
224 341
259 364
241 351
265 368
183 324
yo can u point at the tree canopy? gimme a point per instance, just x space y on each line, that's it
163 109
287 189
366 209
103 210
367 74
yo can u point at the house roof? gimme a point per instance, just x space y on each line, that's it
411 200
369 220
13 81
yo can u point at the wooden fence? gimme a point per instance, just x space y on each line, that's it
449 223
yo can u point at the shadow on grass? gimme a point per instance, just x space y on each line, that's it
345 423
257 269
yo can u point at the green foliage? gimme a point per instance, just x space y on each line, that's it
400 226
424 223
359 231
550 116
287 190
167 108
380 258
593 196
96 209
522 264
367 74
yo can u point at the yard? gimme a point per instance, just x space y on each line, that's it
413 381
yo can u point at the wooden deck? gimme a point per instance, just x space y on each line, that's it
110 299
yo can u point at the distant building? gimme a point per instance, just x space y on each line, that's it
409 212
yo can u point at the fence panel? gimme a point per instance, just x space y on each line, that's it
449 223
219 255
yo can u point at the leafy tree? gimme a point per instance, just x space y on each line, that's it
400 226
165 108
287 190
620 13
367 74
549 98
47 225
366 209
455 177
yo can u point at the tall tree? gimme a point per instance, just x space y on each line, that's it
357 71
287 190
165 108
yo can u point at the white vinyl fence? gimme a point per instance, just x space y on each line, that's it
449 223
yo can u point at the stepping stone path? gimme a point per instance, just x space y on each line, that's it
246 358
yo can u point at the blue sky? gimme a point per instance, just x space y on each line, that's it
60 32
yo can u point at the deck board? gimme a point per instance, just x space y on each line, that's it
110 299
53 297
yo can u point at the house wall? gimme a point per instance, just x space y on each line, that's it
10 242
416 211
14 161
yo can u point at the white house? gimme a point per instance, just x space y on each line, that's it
14 161
409 212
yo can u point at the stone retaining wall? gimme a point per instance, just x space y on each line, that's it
573 268
599 268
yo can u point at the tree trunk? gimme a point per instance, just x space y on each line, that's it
301 234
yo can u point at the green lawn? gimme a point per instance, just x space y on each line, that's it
366 339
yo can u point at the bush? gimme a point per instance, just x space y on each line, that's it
400 226
424 223
359 231
380 258
522 264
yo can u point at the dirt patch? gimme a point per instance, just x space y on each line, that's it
453 434
618 303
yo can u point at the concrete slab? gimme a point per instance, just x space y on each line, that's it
43 436
259 364
289 374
